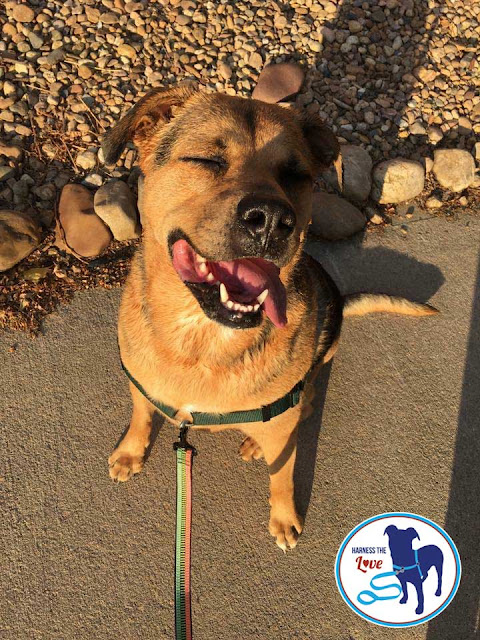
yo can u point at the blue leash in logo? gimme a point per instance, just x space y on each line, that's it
373 597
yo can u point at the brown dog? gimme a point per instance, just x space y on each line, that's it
222 310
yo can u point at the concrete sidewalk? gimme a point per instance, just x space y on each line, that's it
83 558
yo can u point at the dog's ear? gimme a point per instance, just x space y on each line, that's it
321 141
152 111
413 533
390 529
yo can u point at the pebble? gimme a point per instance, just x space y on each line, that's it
127 50
35 40
115 205
454 169
23 13
79 226
86 160
435 134
433 203
19 236
224 70
255 60
334 218
10 151
93 180
397 180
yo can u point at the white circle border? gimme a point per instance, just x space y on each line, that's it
395 625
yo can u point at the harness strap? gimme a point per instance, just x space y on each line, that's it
400 569
262 414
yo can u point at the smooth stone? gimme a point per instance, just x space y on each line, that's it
84 232
23 13
19 236
454 169
278 82
397 180
334 218
357 171
115 205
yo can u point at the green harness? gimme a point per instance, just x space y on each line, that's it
263 414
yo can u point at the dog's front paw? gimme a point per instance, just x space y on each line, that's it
419 610
285 526
249 450
123 465
403 600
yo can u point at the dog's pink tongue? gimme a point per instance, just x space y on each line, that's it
245 279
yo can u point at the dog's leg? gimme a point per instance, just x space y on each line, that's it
249 450
278 442
419 587
439 568
127 459
404 598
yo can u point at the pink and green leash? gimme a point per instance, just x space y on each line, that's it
183 601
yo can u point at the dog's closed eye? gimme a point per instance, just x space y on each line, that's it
216 163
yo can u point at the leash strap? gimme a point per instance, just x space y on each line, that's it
183 531
372 596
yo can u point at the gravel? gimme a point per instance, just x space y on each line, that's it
398 78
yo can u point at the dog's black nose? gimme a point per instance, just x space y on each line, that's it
266 219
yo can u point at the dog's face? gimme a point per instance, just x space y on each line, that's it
227 194
401 536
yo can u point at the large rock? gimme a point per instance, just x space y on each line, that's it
115 205
454 169
278 81
83 231
397 180
19 236
334 218
357 172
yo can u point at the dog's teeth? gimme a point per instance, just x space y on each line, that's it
202 267
249 307
223 292
237 306
256 307
210 277
261 298
229 304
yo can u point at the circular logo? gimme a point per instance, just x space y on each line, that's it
398 569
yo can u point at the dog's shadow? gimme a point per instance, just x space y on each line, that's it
354 268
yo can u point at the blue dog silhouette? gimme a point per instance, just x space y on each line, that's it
413 565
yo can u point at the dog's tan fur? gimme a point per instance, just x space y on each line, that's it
178 354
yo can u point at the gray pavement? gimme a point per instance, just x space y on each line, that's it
83 558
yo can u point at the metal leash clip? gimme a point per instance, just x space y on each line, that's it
182 442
